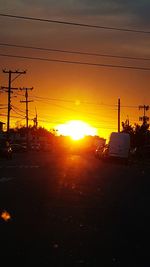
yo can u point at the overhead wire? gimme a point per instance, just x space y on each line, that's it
73 101
60 122
70 109
77 62
84 102
74 52
17 112
83 112
40 98
5 115
89 119
71 23
18 109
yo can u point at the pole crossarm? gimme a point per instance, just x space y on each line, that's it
26 88
14 72
5 87
24 101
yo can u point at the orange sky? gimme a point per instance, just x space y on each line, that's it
81 92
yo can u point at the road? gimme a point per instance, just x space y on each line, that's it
74 210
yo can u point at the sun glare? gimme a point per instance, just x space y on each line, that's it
76 129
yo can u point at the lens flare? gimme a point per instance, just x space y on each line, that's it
5 215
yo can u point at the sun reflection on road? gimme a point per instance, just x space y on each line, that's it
72 173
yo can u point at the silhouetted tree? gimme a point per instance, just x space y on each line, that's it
140 135
127 128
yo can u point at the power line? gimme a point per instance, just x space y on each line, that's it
129 106
68 108
16 77
18 109
80 102
16 117
60 122
56 105
74 23
17 112
87 117
53 99
77 62
74 52
41 99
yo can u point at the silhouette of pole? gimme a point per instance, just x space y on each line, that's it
9 101
26 101
35 120
10 90
119 115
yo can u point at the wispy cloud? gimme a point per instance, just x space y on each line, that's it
138 10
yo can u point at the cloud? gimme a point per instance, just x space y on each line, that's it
115 13
138 10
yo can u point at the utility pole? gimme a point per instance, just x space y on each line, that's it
6 89
144 118
26 101
118 115
35 120
10 91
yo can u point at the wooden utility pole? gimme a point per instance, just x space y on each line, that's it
35 120
26 101
10 91
119 115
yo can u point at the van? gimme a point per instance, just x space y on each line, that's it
119 145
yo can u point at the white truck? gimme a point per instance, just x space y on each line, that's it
119 146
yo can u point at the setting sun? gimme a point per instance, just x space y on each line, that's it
76 129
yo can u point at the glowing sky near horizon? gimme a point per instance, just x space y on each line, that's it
93 91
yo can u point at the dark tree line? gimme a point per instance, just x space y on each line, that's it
139 134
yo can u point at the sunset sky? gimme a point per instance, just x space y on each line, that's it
64 92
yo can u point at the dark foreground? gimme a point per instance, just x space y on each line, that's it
73 210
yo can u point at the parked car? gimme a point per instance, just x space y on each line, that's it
35 147
99 151
142 152
105 151
5 149
18 148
